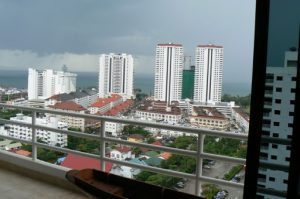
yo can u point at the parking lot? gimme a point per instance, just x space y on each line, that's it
217 171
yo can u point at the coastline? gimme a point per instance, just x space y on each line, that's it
18 79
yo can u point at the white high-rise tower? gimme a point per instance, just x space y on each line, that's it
278 117
46 83
208 73
116 75
168 72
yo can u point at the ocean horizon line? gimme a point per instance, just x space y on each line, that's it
18 78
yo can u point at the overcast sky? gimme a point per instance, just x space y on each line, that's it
50 33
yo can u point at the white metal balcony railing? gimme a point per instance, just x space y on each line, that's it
199 154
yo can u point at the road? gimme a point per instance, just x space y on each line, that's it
217 171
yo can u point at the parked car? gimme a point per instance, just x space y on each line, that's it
236 179
180 185
211 162
206 166
221 194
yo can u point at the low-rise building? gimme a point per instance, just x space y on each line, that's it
49 137
78 162
83 97
209 117
120 108
128 172
241 118
113 129
135 138
72 107
121 153
18 102
159 111
102 105
223 107
9 144
165 155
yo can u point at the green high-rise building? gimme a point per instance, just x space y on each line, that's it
188 83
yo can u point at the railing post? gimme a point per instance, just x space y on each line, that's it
200 143
34 148
102 145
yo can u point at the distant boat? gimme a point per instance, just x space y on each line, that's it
98 184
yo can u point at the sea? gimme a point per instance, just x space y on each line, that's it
18 79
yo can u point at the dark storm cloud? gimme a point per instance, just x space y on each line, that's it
131 26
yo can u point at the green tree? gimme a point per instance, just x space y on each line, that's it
150 140
48 155
83 144
157 179
210 190
137 151
233 171
184 142
131 129
144 175
225 146
243 101
180 163
26 147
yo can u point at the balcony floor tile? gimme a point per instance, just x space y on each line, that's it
16 186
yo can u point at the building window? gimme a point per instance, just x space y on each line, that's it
287 159
294 78
285 181
277 112
272 179
293 90
273 157
290 125
292 102
263 155
291 114
278 89
267 133
278 101
276 123
275 135
279 78
274 146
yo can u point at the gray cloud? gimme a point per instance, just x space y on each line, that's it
91 27
18 59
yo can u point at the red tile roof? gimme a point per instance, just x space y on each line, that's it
209 46
144 150
242 113
104 101
23 153
157 143
119 108
165 155
80 162
123 149
170 44
68 105
208 112
56 97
